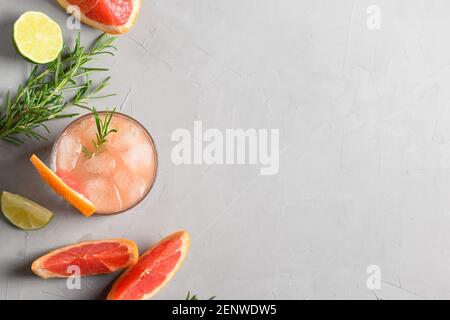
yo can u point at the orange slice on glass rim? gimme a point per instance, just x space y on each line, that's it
76 199
154 269
110 16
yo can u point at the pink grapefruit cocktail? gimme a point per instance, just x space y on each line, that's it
116 177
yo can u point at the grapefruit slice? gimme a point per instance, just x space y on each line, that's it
154 269
85 206
110 16
91 257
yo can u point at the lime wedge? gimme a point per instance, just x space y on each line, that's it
37 37
23 213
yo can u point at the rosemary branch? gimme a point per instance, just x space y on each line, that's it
44 96
194 297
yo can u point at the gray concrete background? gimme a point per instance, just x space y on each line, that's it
364 119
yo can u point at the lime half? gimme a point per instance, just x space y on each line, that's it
37 37
23 213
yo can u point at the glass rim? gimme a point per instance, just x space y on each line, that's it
152 142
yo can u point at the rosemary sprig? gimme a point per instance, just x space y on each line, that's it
103 131
194 297
44 96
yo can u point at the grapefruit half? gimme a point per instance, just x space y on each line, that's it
91 257
79 201
110 16
154 269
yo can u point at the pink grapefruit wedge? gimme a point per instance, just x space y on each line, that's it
110 16
154 269
91 258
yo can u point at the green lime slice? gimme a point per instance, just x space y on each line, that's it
23 213
37 37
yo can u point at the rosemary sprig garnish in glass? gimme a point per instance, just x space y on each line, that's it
43 97
103 131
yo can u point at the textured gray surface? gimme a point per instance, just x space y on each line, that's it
365 149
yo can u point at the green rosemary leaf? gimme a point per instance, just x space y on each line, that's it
189 297
13 140
86 152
